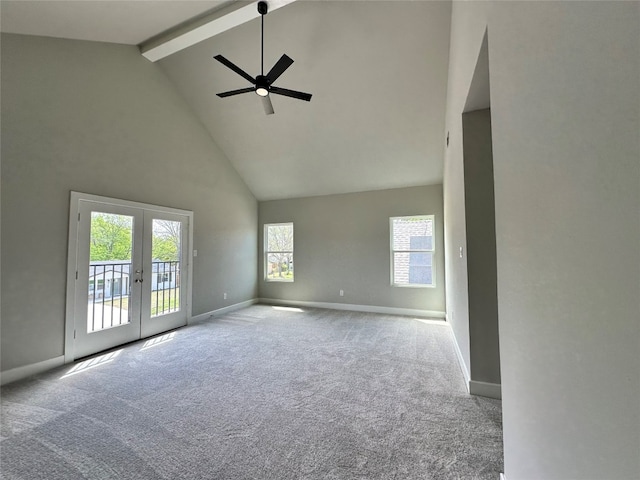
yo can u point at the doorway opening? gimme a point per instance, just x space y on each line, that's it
481 233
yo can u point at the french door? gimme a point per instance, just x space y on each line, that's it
130 273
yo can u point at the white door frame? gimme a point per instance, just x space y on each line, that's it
76 198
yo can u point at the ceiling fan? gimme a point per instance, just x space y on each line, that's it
263 84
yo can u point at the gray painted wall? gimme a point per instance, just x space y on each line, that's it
565 122
481 247
99 118
342 242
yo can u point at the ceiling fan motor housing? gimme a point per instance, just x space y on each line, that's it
262 85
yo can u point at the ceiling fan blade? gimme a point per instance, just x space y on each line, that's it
279 68
268 106
235 68
291 93
236 92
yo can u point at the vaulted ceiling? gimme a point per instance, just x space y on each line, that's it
377 71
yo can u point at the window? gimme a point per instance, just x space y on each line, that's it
412 249
278 252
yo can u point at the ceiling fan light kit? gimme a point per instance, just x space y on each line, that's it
263 84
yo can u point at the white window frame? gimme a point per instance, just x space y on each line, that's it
266 251
432 251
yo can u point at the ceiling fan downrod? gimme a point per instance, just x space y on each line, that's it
263 8
262 85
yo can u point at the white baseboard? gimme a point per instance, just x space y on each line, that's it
474 387
33 369
461 363
357 308
503 476
221 311
484 389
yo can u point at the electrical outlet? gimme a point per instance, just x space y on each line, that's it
342 293
224 295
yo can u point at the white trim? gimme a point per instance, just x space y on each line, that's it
484 389
28 370
358 308
72 261
503 476
190 267
463 366
221 311
87 197
474 387
204 28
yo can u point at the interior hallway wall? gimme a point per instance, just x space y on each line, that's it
484 347
565 120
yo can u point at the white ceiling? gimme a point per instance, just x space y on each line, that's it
114 21
377 71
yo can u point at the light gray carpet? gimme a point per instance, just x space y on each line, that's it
260 394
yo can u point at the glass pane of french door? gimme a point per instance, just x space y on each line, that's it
110 273
166 243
